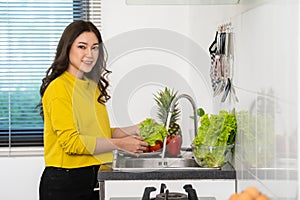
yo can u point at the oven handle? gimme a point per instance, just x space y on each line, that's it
100 188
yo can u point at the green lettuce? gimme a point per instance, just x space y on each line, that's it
152 131
215 130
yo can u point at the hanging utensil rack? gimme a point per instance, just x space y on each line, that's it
222 60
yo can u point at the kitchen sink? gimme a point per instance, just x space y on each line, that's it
124 162
157 162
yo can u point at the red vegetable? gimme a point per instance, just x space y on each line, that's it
157 147
174 143
146 150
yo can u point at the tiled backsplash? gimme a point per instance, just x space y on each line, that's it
266 82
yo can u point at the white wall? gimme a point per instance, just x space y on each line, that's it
20 177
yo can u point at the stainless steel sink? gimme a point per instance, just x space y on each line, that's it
157 162
125 162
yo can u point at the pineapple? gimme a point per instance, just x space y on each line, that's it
163 100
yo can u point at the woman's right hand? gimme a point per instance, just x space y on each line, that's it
132 144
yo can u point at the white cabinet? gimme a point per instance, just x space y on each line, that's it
126 189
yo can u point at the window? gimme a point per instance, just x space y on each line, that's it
29 33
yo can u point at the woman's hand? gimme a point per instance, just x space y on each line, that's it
132 144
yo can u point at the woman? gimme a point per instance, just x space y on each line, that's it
77 133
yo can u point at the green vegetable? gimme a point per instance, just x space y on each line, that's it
152 131
200 112
216 130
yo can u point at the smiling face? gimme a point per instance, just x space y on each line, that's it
83 54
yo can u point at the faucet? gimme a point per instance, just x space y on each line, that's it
171 109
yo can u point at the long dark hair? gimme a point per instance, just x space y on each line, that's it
61 60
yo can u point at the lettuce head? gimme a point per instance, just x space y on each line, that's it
152 131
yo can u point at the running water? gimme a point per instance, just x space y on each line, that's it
167 127
170 114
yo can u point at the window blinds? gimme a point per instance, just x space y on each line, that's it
29 33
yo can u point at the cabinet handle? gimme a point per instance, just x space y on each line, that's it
97 188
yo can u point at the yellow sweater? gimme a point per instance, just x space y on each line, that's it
73 119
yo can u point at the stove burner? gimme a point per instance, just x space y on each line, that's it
166 195
171 196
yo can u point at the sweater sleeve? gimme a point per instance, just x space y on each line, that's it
63 123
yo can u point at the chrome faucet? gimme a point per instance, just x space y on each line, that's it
171 109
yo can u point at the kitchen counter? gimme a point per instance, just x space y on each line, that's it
226 172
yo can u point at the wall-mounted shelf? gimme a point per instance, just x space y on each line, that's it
182 2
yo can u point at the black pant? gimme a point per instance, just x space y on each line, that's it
69 184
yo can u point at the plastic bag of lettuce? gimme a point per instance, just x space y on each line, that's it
215 138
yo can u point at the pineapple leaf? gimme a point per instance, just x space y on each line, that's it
163 99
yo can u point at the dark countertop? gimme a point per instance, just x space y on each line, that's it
226 172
